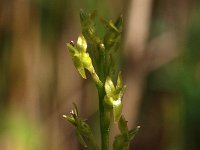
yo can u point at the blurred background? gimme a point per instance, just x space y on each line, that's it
38 82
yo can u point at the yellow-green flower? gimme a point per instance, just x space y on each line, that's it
82 59
114 96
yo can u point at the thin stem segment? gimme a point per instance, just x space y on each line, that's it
104 120
104 113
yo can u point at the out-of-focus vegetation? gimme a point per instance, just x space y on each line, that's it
38 82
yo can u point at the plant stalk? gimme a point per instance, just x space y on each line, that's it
104 112
104 120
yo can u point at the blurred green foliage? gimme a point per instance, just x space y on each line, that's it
179 83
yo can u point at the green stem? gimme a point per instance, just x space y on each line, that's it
104 120
104 113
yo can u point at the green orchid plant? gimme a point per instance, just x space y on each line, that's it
99 56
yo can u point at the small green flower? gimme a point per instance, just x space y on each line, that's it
82 59
122 140
83 131
114 96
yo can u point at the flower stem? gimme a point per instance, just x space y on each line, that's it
104 112
104 120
